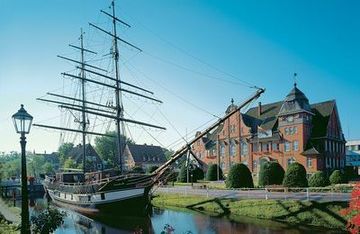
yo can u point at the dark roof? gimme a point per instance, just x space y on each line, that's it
320 120
275 137
311 151
295 102
267 118
77 152
139 152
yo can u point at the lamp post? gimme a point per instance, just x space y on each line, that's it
22 122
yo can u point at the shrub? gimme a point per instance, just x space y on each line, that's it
271 173
198 174
239 177
337 177
137 169
212 172
47 221
295 176
152 169
182 177
319 179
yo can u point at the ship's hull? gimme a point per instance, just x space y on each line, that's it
131 201
125 195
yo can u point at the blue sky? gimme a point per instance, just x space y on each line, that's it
260 42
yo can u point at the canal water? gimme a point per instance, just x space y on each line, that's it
183 222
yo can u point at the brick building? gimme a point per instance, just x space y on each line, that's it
287 131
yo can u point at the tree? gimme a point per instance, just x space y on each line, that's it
48 168
195 174
106 147
47 221
295 176
319 179
151 169
271 173
168 153
70 163
198 174
182 177
64 151
337 177
239 177
137 169
212 173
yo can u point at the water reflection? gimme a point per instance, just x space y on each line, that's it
179 221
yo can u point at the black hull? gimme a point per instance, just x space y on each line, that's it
136 206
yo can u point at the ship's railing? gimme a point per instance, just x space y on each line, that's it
94 186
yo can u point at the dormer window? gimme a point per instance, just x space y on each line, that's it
290 119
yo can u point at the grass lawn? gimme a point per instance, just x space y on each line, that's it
320 214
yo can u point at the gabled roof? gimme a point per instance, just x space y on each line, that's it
295 102
322 111
77 152
267 118
311 151
147 152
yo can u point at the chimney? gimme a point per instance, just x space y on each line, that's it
259 109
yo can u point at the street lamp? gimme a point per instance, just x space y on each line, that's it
22 122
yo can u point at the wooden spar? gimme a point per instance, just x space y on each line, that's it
122 82
111 86
71 130
82 49
178 154
116 37
79 100
112 117
115 18
74 105
78 62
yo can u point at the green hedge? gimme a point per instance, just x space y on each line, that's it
271 173
239 177
197 174
212 172
295 176
337 177
319 179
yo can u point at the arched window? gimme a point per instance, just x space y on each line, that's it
222 149
244 148
291 160
232 148
296 145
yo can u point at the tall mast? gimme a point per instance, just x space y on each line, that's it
83 122
119 106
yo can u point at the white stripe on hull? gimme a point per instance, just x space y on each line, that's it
96 198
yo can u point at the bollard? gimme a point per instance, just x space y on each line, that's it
307 194
266 195
207 192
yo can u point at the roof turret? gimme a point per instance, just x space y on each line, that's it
295 102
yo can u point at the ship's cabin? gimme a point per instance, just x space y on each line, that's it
70 177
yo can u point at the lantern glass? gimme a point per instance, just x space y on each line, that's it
22 121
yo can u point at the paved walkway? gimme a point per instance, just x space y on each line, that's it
8 214
257 194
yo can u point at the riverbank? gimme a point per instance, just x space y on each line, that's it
9 218
292 212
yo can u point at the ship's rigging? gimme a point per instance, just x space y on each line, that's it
102 110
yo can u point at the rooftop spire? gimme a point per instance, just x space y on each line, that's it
295 75
232 101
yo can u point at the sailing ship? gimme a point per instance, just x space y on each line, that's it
107 191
